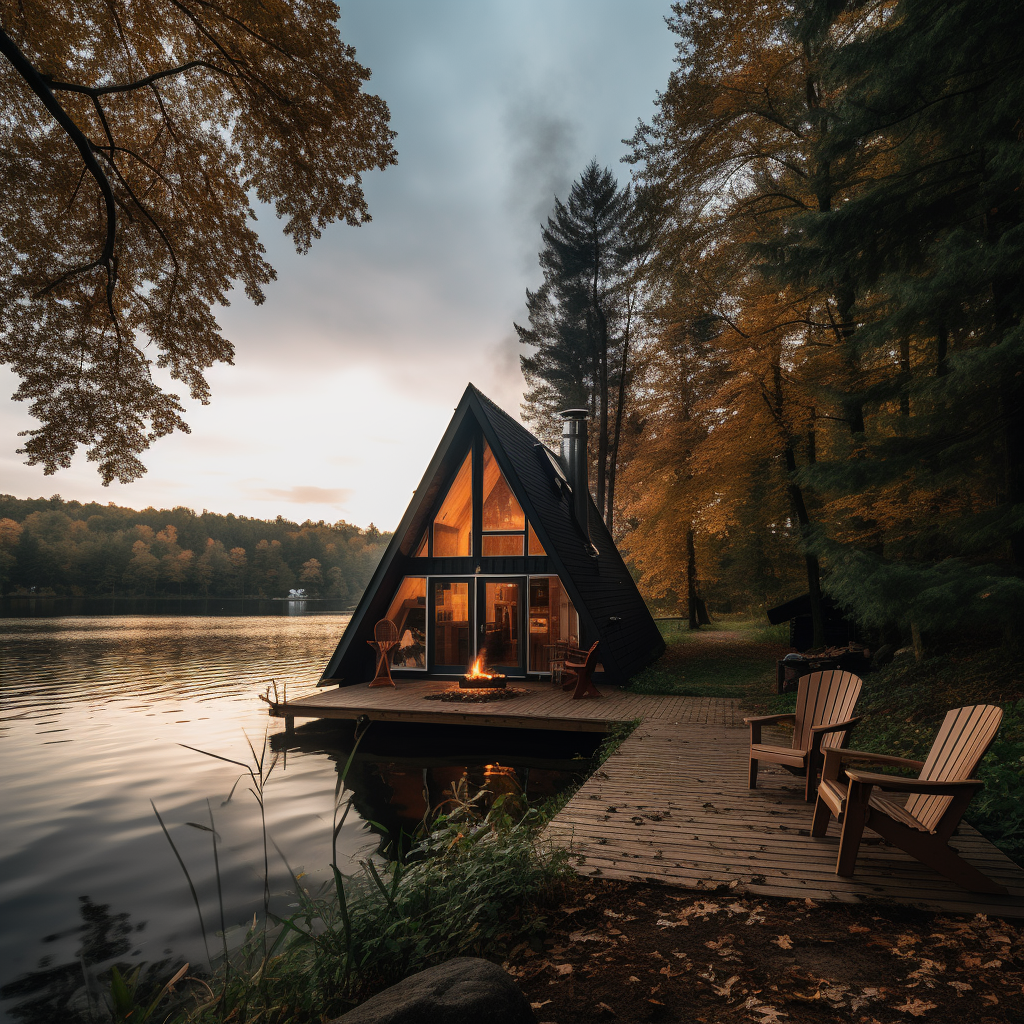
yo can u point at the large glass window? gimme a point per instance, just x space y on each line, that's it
504 523
452 633
501 624
453 524
552 619
502 545
501 510
408 612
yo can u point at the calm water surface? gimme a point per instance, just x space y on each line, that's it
93 715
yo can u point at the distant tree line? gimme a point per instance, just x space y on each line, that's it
52 546
810 303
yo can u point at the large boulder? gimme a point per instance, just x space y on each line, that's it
462 991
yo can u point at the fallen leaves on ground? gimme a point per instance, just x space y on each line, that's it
634 952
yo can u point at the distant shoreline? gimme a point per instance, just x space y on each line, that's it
49 606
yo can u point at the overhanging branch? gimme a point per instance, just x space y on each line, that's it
38 85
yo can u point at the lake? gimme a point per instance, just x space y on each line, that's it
93 718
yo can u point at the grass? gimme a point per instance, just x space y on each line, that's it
725 659
477 882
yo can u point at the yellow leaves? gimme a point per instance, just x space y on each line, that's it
916 1007
122 256
783 942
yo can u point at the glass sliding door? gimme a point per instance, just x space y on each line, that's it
501 621
451 620
552 619
408 611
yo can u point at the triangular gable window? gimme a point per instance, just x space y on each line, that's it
421 548
504 523
536 548
453 524
501 510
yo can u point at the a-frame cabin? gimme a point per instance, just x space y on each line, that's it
491 559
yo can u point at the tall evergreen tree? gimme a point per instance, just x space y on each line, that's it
578 314
928 523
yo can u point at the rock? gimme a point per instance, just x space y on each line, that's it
462 991
883 656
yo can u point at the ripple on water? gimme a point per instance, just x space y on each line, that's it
92 715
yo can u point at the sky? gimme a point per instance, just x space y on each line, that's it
345 378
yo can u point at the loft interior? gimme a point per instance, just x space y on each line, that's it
501 554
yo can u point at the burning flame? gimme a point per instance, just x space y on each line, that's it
476 670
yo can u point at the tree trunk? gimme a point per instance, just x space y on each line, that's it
691 579
613 460
905 376
796 496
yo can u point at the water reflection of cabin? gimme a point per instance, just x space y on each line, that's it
500 554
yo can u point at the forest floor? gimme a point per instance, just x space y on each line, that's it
729 658
620 951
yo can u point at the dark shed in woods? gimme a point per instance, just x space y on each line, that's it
839 630
500 554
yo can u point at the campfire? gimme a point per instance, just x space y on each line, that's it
479 677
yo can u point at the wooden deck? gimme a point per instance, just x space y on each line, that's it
542 707
713 831
687 765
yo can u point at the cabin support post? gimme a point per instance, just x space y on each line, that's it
289 725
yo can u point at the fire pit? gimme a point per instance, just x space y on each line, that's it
478 678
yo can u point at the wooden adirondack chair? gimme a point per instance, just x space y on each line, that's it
938 797
578 670
385 637
824 705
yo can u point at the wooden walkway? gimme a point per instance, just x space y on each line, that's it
671 805
542 707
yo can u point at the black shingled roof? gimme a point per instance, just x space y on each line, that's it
603 592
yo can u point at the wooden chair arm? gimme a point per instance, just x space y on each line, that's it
862 755
894 784
835 757
756 723
838 727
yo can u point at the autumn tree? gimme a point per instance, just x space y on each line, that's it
730 154
137 136
311 577
10 535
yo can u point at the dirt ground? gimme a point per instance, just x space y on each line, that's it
629 952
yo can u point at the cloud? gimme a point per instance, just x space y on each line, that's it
309 495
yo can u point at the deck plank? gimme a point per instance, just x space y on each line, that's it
718 832
688 758
542 707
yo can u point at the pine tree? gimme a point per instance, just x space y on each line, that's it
928 500
577 316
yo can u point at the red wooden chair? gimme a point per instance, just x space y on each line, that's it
578 670
938 797
824 706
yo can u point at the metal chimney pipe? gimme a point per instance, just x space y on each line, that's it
575 462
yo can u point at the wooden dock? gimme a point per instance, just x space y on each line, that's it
541 707
671 805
